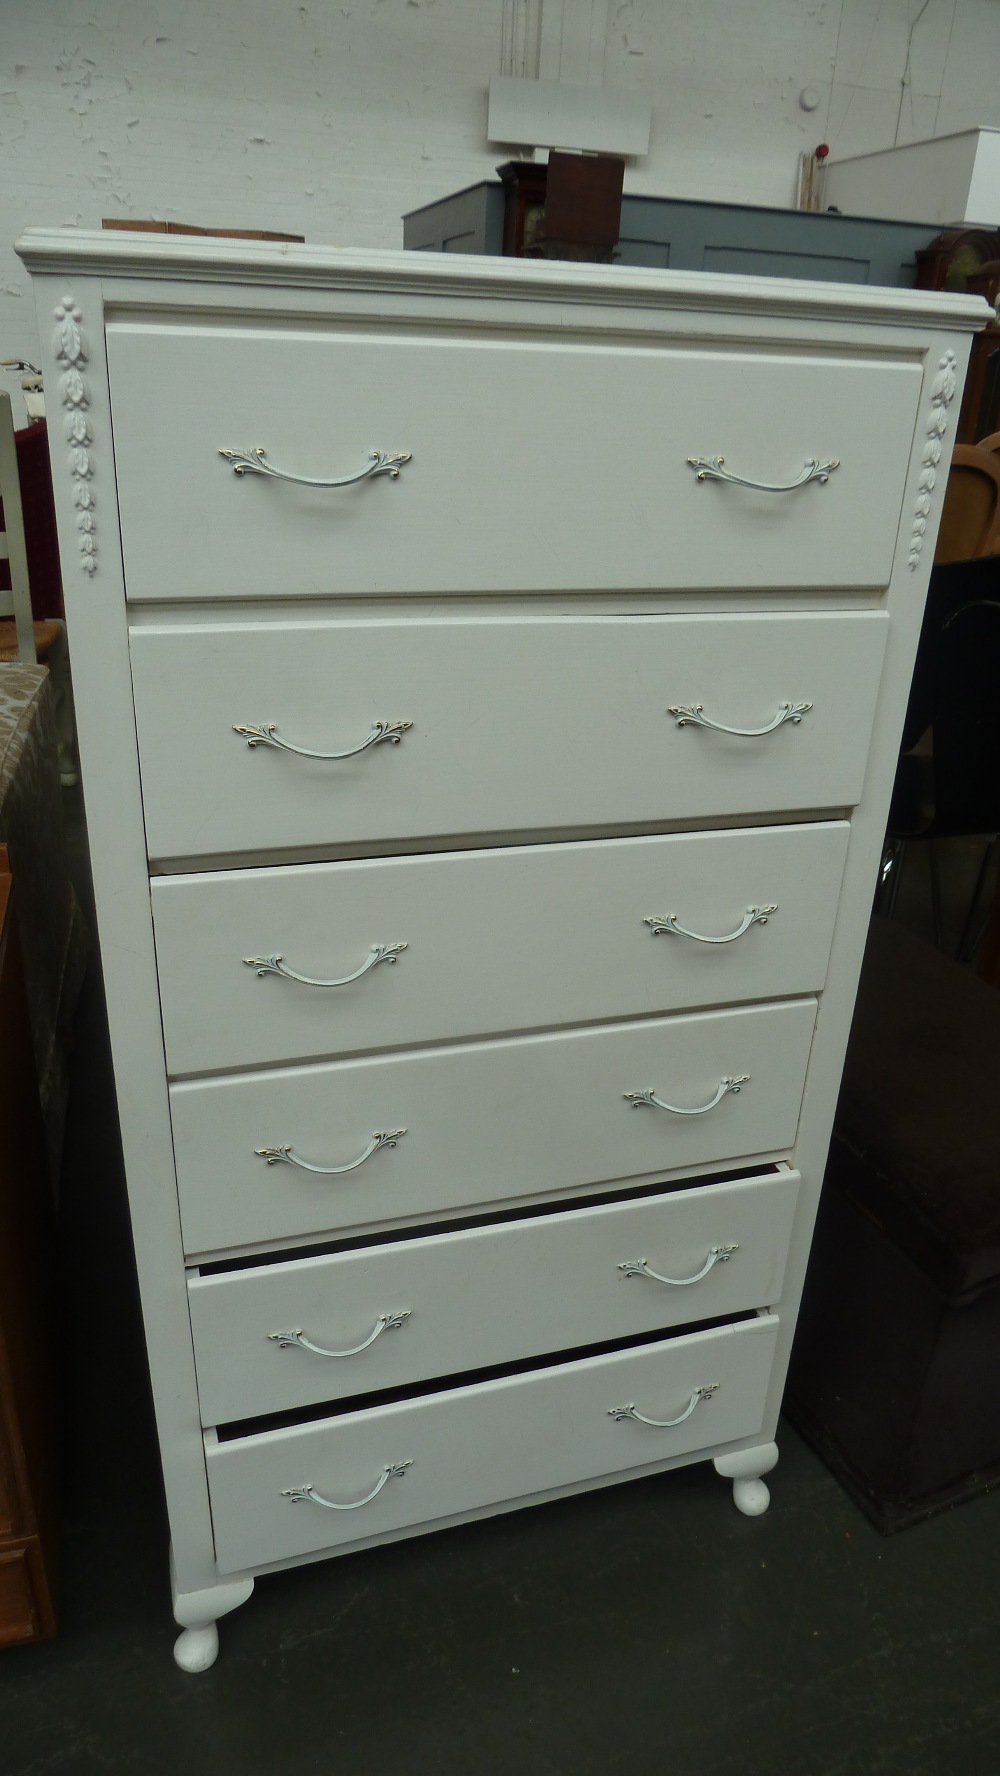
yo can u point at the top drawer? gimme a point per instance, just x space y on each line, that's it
534 465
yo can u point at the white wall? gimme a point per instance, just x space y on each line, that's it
330 119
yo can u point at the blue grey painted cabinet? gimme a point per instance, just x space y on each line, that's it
684 236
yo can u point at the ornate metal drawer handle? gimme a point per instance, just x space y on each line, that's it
712 468
276 965
638 1267
285 1155
725 1085
308 1495
620 1413
755 915
254 462
387 1322
267 735
693 712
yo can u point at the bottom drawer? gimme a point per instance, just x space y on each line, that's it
420 1461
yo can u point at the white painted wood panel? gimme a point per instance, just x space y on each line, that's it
485 1295
496 941
476 1446
509 487
485 1123
559 722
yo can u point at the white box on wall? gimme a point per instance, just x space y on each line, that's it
557 114
948 180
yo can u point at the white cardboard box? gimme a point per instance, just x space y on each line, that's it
949 180
557 114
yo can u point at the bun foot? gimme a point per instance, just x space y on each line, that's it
197 1613
197 1648
744 1468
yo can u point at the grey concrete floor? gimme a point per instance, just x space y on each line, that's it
647 1627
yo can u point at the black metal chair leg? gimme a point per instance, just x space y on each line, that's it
966 948
893 859
936 913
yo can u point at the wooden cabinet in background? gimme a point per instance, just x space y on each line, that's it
28 1515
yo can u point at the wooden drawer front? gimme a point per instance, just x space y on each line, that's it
485 1124
473 1447
496 941
485 1295
517 725
504 459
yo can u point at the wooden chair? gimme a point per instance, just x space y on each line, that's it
21 638
970 521
948 775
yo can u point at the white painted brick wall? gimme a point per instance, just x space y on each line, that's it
331 120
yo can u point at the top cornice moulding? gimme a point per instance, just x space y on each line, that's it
96 253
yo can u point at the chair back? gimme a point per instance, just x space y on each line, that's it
15 602
966 718
970 518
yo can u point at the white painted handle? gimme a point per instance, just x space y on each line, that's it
713 468
277 965
267 735
254 462
286 1156
694 713
755 915
725 1085
638 1267
620 1413
387 1322
308 1495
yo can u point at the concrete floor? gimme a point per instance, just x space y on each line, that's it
648 1627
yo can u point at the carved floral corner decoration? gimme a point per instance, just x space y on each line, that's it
71 353
942 394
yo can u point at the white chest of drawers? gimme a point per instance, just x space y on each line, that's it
484 831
